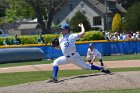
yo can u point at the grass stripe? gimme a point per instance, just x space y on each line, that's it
7 79
105 58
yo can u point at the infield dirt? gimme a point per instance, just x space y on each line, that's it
89 82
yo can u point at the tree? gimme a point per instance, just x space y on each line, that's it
116 24
45 9
3 6
40 9
132 18
79 18
19 10
127 3
51 8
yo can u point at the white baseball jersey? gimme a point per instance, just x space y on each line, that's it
67 45
93 54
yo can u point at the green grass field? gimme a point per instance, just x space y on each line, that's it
122 57
8 79
105 58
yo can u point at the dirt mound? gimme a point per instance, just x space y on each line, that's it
90 82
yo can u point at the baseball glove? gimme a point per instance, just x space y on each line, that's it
55 42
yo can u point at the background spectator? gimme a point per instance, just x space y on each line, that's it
134 36
120 36
138 35
40 39
6 41
16 41
115 36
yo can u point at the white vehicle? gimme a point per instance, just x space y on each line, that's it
2 34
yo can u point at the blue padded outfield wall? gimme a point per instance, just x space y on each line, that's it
21 54
105 48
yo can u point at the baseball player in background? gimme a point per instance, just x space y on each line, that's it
70 54
93 54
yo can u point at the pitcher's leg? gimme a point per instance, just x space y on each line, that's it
84 65
59 61
55 71
94 67
81 63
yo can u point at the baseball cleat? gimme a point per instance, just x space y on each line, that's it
55 80
104 70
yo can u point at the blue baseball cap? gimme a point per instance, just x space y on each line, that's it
90 44
65 27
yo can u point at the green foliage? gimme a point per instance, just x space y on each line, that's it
89 36
10 15
127 3
31 39
1 41
3 6
55 26
116 24
28 39
2 20
92 35
18 10
132 18
50 37
79 18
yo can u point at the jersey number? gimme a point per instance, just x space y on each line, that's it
66 44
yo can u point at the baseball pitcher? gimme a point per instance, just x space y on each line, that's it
70 54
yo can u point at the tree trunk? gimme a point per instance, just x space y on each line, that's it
37 9
50 18
40 20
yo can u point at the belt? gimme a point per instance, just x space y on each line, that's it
70 55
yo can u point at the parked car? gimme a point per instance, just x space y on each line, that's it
2 34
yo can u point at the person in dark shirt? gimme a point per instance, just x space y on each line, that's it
40 39
6 41
16 40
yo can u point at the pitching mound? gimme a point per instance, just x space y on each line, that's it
92 82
